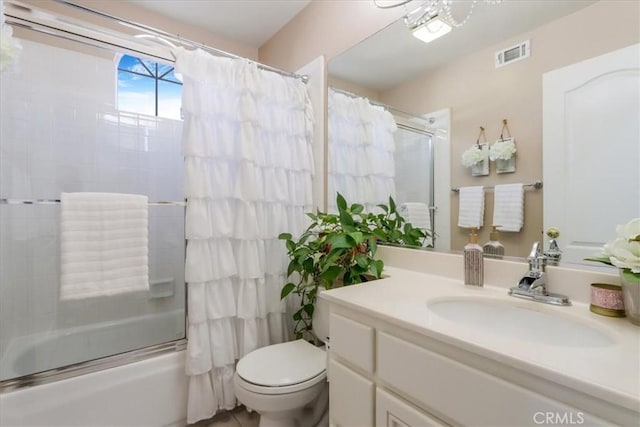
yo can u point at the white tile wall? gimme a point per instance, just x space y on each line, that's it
60 132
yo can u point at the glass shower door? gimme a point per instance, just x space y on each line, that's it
414 166
61 132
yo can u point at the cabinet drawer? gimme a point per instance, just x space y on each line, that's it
351 397
393 412
353 341
463 394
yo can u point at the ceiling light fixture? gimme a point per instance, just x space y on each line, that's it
431 29
432 18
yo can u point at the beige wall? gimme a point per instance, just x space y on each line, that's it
354 88
131 12
325 27
477 93
481 95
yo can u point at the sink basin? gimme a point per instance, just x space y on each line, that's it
522 321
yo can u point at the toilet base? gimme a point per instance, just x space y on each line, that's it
314 414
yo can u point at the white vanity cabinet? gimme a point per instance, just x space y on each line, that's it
351 396
355 398
383 375
391 411
352 388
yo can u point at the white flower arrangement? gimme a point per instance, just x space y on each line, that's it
472 156
9 47
624 251
502 150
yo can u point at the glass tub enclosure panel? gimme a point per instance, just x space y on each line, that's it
413 164
61 132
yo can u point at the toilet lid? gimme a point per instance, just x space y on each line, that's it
283 364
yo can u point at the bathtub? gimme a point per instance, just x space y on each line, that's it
151 392
52 349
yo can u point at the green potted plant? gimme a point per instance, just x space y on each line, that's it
339 249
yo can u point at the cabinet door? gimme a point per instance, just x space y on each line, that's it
351 397
466 395
353 341
393 412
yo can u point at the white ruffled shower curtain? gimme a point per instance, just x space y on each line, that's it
361 146
248 172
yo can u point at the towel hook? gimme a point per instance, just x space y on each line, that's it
481 134
504 126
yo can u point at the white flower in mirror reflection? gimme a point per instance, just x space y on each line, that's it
502 150
472 156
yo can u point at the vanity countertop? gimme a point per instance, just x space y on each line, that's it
610 373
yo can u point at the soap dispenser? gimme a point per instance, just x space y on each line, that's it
493 246
473 261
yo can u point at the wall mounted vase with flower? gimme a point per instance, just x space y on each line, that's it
477 159
503 152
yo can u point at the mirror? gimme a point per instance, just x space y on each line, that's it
458 73
376 152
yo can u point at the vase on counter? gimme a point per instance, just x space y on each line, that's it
631 294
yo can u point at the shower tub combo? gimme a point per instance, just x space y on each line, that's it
150 392
99 361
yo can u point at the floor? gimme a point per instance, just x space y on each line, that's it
239 417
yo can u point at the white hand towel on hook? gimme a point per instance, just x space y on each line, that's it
471 207
508 211
104 244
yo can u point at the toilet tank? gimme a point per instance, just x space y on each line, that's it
321 318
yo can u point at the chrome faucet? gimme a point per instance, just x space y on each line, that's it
533 285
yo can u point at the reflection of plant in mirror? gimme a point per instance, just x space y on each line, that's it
339 249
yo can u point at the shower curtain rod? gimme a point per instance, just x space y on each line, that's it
388 107
20 22
157 32
183 41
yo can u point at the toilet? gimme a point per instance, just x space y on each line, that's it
287 383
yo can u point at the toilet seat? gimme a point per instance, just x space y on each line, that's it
282 368
277 390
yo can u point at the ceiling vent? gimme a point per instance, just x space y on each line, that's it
513 54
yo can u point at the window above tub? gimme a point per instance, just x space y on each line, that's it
148 87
